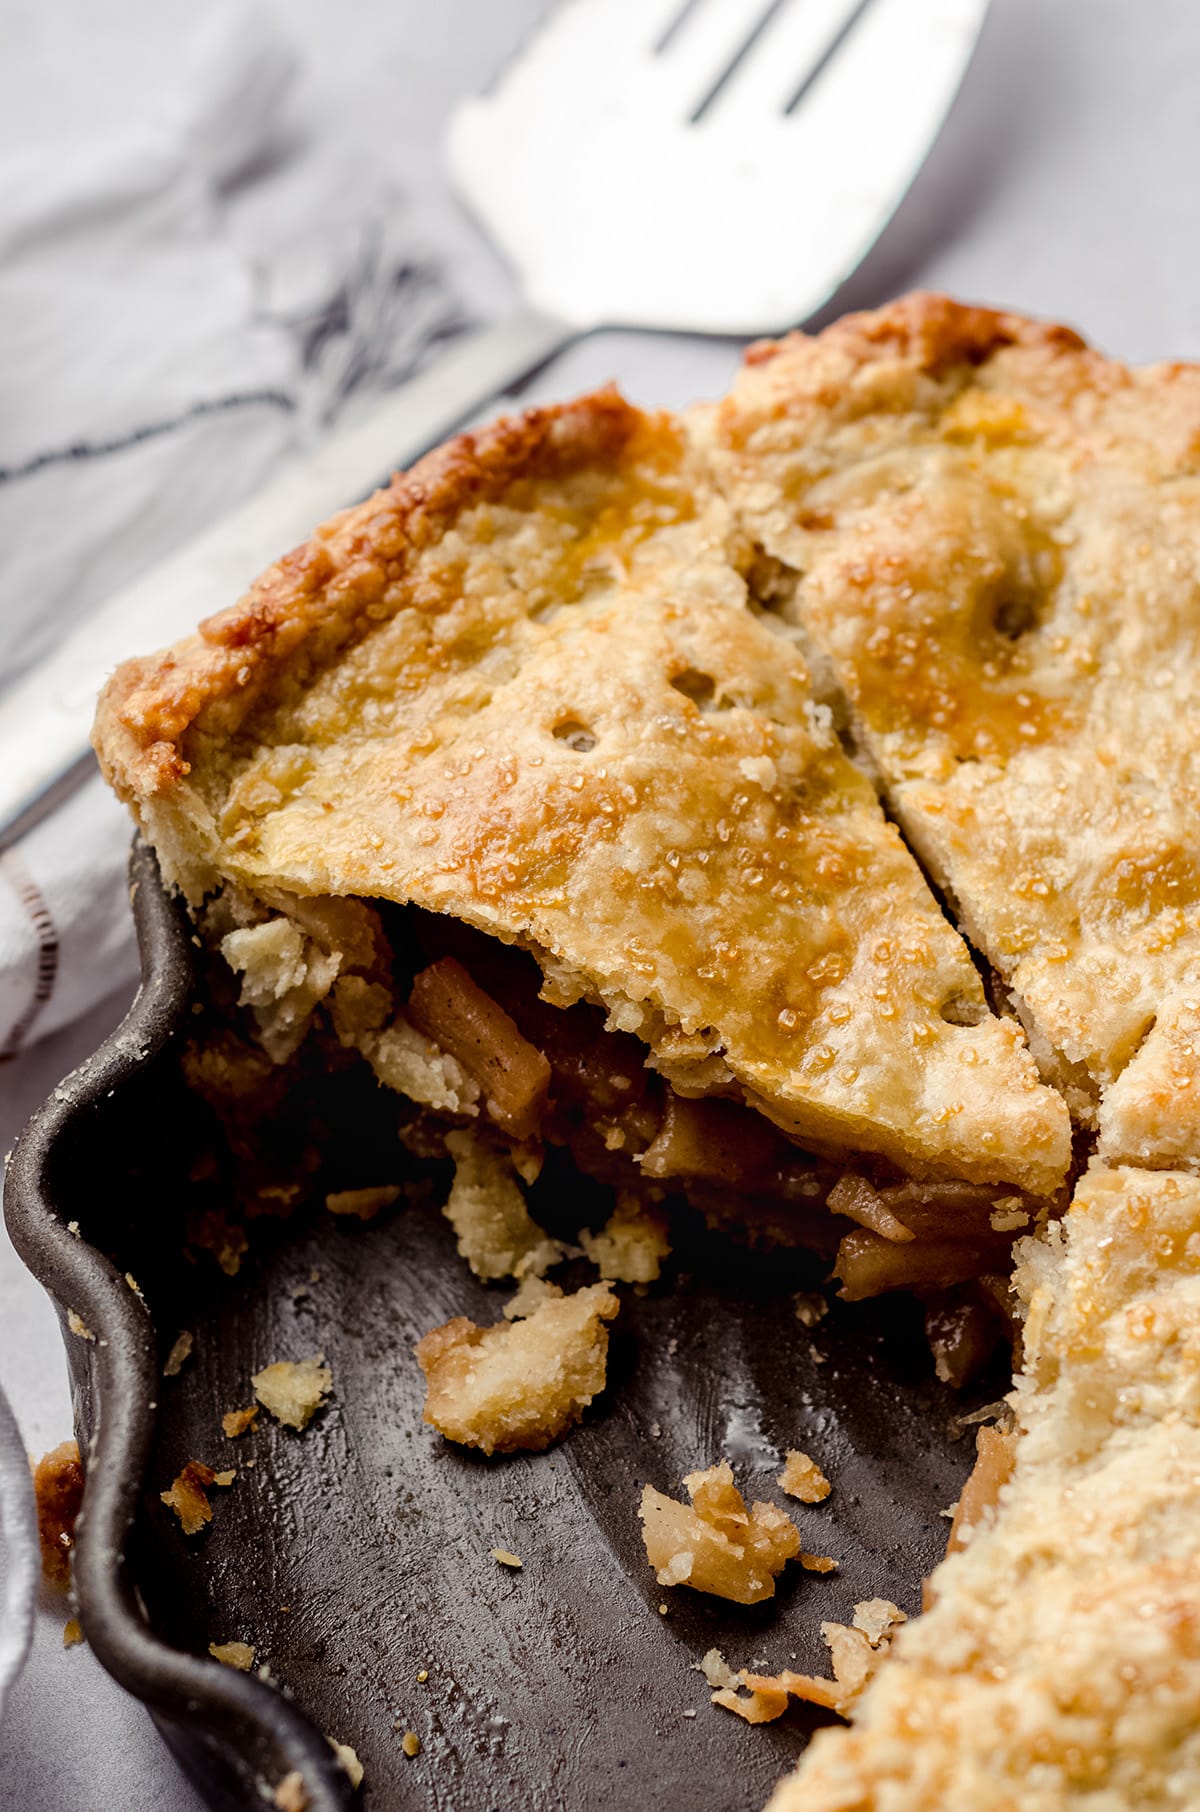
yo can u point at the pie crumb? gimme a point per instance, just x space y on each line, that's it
855 1660
802 1478
818 1563
716 1669
291 1795
292 1390
188 1495
876 1618
347 1759
507 1558
233 1654
237 1421
716 1544
410 1742
1009 1215
762 1704
72 1633
496 1233
364 1204
631 1246
809 1307
178 1354
58 1489
228 1244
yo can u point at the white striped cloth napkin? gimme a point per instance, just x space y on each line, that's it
156 369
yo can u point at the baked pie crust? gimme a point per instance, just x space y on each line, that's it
995 533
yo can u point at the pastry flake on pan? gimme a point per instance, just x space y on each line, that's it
526 686
1059 1666
996 533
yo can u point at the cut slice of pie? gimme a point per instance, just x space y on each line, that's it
1059 1665
526 689
992 535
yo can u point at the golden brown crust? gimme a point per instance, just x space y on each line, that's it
530 688
994 530
330 585
1059 1667
930 331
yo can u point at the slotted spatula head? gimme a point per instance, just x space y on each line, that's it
716 166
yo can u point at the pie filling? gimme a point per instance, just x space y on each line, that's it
457 1024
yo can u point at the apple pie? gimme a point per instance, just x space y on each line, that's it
632 785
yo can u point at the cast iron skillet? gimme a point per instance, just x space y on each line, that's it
233 1734
357 1555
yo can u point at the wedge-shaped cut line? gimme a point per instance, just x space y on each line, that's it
994 532
1058 1666
524 687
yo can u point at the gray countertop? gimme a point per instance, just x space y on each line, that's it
1064 184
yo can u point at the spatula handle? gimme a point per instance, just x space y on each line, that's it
46 717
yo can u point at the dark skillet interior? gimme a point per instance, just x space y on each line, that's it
357 1554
